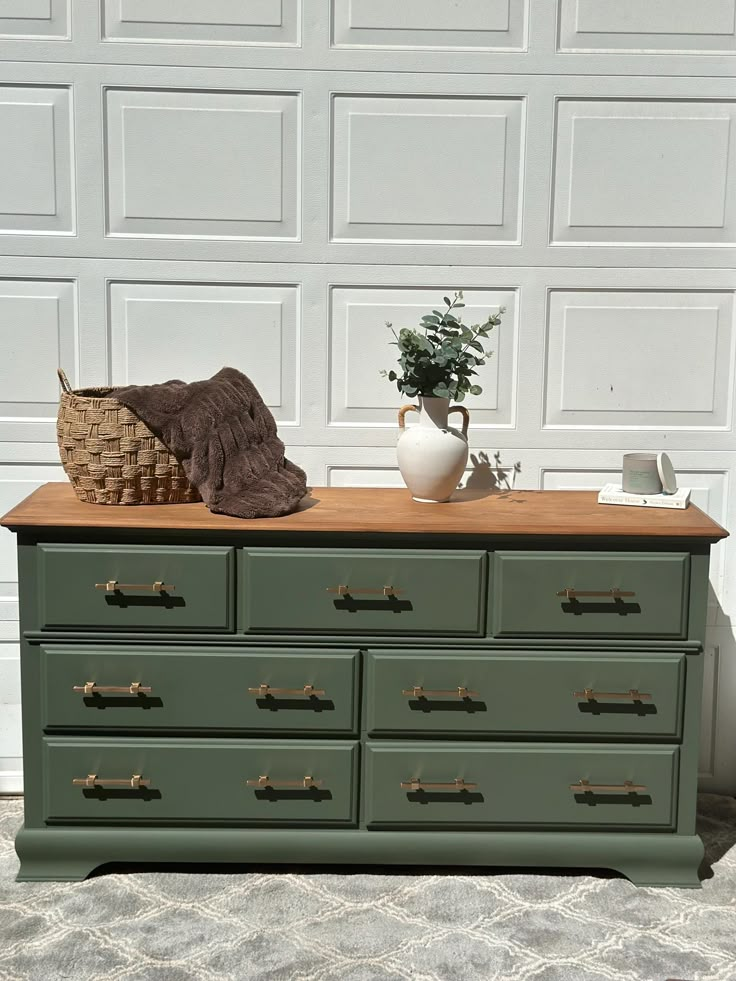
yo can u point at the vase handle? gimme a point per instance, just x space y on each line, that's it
466 416
402 412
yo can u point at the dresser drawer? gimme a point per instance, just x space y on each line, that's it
520 786
528 595
364 591
202 688
199 580
200 781
565 694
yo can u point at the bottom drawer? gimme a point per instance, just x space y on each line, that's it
214 781
431 785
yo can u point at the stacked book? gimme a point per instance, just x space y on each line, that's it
613 494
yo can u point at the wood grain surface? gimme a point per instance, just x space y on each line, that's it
387 510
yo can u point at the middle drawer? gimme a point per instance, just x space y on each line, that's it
173 688
368 591
567 694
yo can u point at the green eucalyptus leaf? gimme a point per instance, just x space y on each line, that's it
475 390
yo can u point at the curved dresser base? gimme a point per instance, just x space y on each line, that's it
71 854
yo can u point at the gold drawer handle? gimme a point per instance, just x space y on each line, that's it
264 690
627 787
418 692
457 784
352 591
92 780
632 694
92 688
305 783
571 593
113 586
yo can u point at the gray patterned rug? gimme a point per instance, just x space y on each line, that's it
315 925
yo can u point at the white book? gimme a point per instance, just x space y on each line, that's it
613 494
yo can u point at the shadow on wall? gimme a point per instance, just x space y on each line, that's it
718 721
492 476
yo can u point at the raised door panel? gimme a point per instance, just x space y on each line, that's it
254 328
657 25
644 171
359 342
37 19
38 327
472 24
383 192
231 22
37 175
593 381
202 164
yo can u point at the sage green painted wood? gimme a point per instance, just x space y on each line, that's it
74 847
30 687
519 785
439 642
648 859
524 600
202 577
697 749
524 693
287 590
201 780
199 689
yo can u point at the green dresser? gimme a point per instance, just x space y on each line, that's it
504 680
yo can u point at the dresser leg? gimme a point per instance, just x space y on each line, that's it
44 859
675 863
53 870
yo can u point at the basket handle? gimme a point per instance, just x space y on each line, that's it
64 381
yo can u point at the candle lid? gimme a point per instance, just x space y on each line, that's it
666 473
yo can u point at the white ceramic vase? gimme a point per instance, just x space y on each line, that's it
431 454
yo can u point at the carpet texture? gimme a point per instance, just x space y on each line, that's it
363 925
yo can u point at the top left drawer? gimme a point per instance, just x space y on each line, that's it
136 587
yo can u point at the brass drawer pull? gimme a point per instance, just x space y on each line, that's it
352 591
113 586
92 688
418 692
457 784
92 780
305 783
264 690
632 694
571 593
627 787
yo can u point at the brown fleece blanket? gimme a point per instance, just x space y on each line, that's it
224 436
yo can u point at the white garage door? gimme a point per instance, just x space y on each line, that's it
264 183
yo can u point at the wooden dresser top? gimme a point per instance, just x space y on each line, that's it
382 510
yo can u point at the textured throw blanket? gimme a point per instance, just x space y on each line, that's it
224 436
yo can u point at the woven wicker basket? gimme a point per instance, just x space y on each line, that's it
111 456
